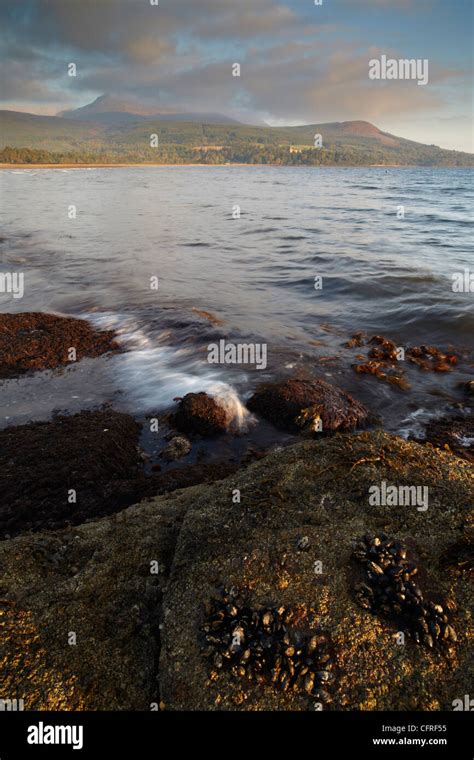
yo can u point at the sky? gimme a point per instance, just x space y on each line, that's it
301 63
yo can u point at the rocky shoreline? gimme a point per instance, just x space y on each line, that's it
214 586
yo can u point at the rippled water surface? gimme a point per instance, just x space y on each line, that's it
254 275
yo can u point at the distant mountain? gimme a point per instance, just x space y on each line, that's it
108 110
93 139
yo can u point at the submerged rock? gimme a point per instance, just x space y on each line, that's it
178 446
384 360
35 341
200 413
382 371
300 404
431 358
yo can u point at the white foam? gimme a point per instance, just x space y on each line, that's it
152 373
465 440
414 425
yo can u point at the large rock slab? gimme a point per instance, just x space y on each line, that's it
138 634
305 505
93 582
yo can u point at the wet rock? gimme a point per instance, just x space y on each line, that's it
357 340
384 361
430 358
294 404
386 349
381 371
212 318
179 446
35 341
200 413
453 433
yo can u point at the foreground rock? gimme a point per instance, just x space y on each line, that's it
201 414
298 507
301 404
96 582
35 341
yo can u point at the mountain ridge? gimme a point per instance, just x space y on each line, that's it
109 110
355 142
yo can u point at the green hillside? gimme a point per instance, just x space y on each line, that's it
24 130
51 139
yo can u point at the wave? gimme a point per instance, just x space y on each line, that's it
154 373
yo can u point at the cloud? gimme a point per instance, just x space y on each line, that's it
300 63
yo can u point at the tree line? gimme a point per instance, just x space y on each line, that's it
241 153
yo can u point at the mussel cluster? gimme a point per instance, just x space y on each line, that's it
263 645
390 589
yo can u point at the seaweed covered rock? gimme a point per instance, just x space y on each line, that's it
68 470
200 413
81 467
34 341
307 405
